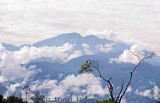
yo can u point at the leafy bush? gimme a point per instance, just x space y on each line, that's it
106 101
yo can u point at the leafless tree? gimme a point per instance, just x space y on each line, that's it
90 65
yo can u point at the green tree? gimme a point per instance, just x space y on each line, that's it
1 98
11 99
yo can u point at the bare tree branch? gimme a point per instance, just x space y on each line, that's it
120 92
146 56
110 87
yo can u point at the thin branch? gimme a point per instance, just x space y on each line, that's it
126 87
120 92
133 53
110 87
146 56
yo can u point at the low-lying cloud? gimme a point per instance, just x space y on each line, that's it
153 93
72 84
13 63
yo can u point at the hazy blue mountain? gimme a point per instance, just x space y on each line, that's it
115 70
77 40
118 71
10 47
73 38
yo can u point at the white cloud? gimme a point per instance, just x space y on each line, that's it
61 75
146 93
33 20
46 84
106 48
72 84
12 88
11 68
125 57
129 89
128 57
26 54
156 94
153 93
13 71
152 83
86 49
75 54
108 34
123 100
71 81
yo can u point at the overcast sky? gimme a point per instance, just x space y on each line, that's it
28 21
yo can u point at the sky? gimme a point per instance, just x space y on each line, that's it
26 22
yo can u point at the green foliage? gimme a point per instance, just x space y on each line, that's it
106 101
86 67
11 99
1 98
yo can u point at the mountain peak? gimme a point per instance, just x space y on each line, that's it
74 34
10 47
58 40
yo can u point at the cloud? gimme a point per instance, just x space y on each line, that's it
11 61
156 94
75 54
14 74
129 89
12 88
61 75
123 100
153 93
24 21
26 54
72 84
106 48
127 57
146 93
86 49
14 70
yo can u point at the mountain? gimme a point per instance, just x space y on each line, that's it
76 39
50 69
88 45
118 71
73 38
115 70
10 47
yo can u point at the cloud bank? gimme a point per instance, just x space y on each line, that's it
153 93
24 22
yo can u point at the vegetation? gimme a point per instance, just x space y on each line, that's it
106 101
11 99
